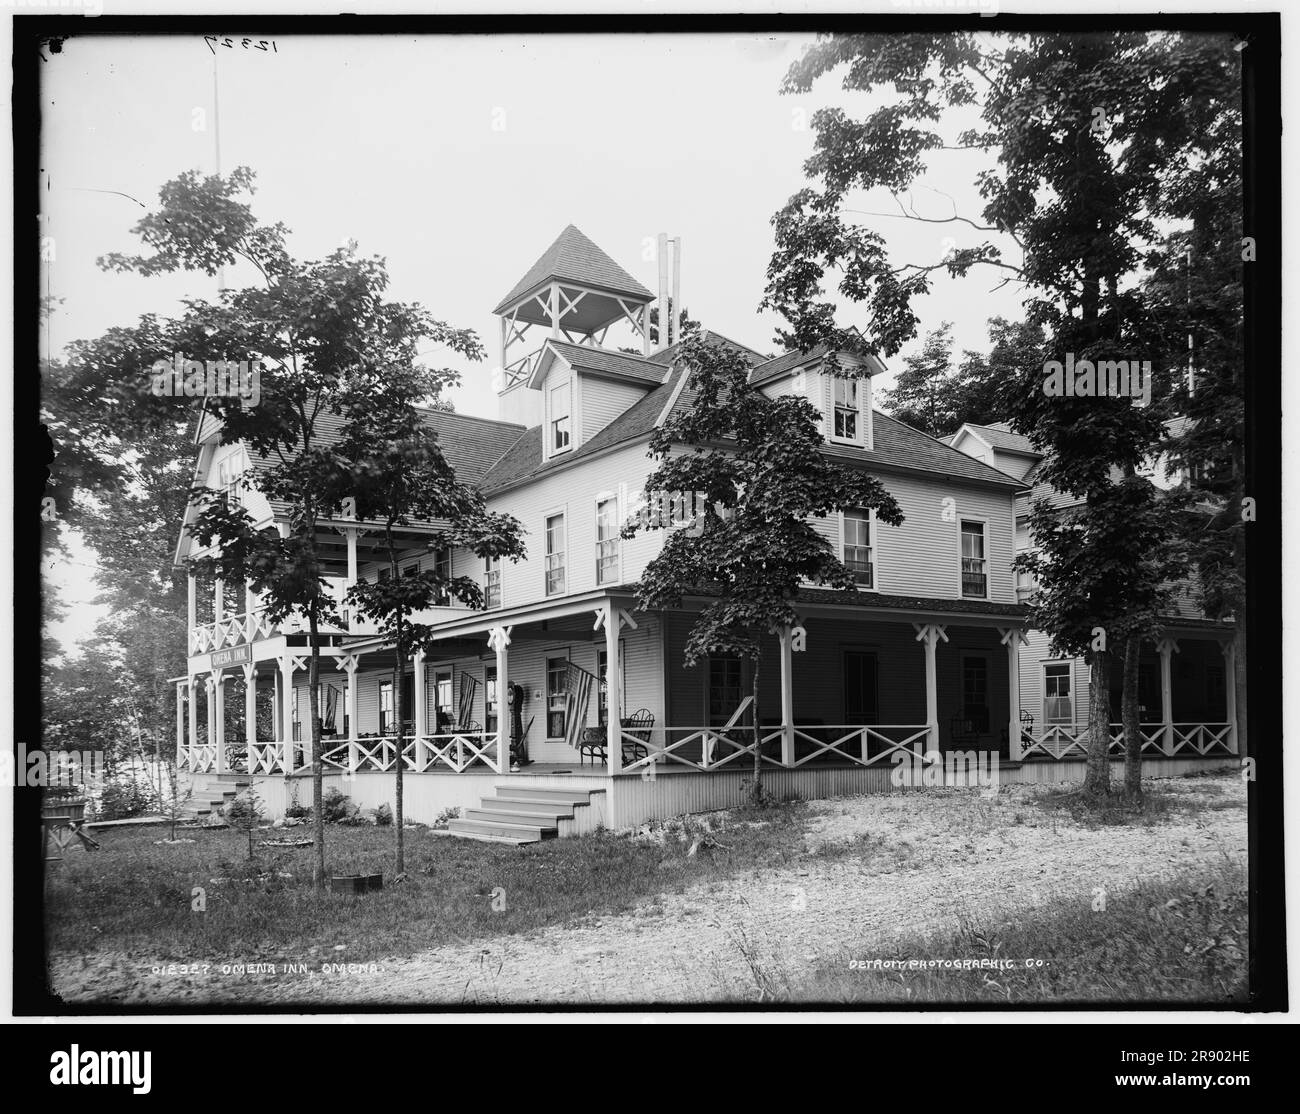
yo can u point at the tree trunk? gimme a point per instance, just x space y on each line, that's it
1096 784
317 767
1132 727
756 793
399 670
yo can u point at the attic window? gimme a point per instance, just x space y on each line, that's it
846 408
560 418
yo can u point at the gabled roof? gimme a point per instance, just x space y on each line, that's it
470 445
787 361
602 361
1000 436
523 460
574 258
669 354
897 444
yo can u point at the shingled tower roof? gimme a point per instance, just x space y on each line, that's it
574 258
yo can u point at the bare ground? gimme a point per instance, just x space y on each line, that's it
920 861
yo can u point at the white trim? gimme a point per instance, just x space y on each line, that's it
988 561
548 433
561 509
873 544
597 499
1043 663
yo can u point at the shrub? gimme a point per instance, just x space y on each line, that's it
337 806
384 816
121 800
447 814
296 811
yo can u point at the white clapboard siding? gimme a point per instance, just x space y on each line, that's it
600 401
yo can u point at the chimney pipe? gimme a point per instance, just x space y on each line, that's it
663 292
676 302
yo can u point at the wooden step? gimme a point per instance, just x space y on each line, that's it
515 841
557 809
530 832
559 796
540 820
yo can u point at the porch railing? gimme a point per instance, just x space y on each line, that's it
713 748
1059 741
456 750
232 631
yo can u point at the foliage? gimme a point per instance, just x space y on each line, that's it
763 481
1086 138
337 806
384 815
125 797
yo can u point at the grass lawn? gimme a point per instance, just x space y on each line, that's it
1182 939
134 897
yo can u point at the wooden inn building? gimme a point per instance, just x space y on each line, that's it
608 727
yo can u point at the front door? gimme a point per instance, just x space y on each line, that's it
860 707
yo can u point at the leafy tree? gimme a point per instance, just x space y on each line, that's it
1012 346
314 328
1084 134
758 462
399 476
922 395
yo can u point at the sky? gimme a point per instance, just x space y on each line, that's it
460 159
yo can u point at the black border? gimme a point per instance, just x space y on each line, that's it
1262 187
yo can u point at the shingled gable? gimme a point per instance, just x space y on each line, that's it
598 361
574 258
470 445
897 447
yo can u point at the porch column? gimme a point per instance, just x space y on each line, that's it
286 712
211 686
218 600
194 721
219 700
930 635
250 713
421 707
351 535
277 732
499 639
191 610
349 663
787 697
1229 650
613 695
1011 639
1167 647
180 721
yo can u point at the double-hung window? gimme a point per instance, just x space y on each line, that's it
560 431
607 541
492 583
555 546
847 415
1058 706
974 562
858 556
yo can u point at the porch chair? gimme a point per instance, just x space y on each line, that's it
639 725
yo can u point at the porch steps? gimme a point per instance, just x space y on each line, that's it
214 797
520 814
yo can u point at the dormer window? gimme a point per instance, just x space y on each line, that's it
850 410
560 419
846 408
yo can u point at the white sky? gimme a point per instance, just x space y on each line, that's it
390 141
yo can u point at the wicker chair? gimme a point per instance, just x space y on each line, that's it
638 725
